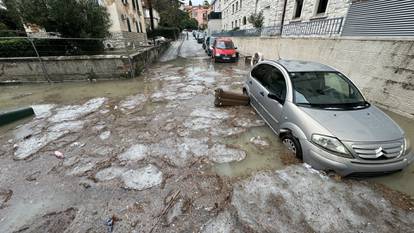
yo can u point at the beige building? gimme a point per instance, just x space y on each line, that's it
128 23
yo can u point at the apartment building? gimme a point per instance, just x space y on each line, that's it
128 22
200 13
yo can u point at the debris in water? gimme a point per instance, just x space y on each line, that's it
143 178
59 155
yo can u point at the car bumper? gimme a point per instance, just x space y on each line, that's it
225 58
323 160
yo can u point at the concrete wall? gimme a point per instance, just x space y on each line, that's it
77 68
382 69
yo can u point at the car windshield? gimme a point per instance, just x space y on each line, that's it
225 45
328 90
212 39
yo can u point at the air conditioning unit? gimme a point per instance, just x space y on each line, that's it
123 17
125 2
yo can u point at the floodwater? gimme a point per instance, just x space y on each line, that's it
123 148
258 157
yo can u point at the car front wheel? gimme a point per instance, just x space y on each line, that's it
292 144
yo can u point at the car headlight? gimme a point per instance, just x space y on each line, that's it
406 146
331 144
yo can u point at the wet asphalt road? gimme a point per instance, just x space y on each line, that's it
154 154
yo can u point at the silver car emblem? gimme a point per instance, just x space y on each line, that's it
379 152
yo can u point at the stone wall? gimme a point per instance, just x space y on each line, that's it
382 69
77 68
272 12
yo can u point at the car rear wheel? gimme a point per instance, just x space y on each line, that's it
292 144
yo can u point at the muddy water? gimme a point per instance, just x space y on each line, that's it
401 181
70 93
258 157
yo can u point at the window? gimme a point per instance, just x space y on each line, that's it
240 4
237 6
133 4
232 24
298 9
140 27
136 24
232 6
239 22
244 20
326 90
272 79
323 4
129 25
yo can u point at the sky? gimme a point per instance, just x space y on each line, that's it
196 2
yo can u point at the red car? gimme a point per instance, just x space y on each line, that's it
224 50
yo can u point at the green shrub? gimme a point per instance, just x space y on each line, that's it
49 47
16 48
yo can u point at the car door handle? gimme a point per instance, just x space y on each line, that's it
261 93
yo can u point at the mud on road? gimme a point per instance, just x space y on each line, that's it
163 159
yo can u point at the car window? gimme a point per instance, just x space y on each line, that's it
325 89
276 83
259 71
224 44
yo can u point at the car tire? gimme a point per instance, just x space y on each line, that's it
292 144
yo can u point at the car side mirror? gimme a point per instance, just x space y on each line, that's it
274 97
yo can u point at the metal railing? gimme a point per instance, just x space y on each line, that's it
318 27
265 31
331 26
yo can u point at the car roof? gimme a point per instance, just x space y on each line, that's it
223 38
303 66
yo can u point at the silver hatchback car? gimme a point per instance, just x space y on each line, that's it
323 118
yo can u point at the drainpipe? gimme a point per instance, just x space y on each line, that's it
151 19
283 17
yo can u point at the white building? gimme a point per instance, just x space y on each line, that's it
235 13
214 24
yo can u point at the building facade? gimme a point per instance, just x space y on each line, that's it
214 18
199 13
155 15
299 17
128 23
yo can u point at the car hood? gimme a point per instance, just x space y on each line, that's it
226 51
365 125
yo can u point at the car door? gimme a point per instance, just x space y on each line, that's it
274 96
257 84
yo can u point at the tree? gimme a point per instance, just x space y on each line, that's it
257 19
190 3
71 18
171 15
10 17
206 3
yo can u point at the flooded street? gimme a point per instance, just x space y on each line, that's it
153 154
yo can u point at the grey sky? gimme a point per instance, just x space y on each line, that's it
196 2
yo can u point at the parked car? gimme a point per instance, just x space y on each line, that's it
205 43
200 37
224 50
209 46
322 117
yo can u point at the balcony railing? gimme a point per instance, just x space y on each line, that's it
315 27
266 31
